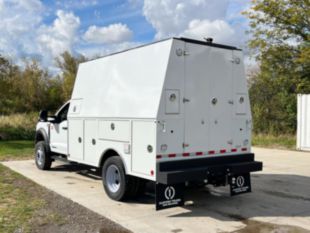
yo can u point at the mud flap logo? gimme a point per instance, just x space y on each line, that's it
168 196
169 193
240 183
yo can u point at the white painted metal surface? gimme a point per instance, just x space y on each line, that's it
115 130
124 85
90 140
208 86
143 147
303 122
242 118
76 139
168 100
170 128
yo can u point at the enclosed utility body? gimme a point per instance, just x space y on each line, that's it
173 112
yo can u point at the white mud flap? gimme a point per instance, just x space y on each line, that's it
240 183
168 196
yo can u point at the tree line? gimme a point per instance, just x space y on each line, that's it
31 88
280 33
279 42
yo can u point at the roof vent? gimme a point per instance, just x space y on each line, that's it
209 39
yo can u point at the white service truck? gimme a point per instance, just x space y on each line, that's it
172 112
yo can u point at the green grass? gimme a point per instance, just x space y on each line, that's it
16 150
21 200
272 141
17 206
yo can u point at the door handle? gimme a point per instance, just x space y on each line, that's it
64 127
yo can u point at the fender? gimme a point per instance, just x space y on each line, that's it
108 153
41 134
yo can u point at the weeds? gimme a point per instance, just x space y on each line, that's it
272 141
18 126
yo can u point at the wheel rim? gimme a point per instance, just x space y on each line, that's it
40 156
113 178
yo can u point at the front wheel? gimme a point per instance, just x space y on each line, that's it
42 156
114 178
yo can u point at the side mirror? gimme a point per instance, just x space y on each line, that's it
43 115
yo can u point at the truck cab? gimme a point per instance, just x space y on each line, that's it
53 130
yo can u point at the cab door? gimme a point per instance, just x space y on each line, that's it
59 131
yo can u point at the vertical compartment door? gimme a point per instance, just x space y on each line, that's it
76 139
197 88
144 147
90 142
208 98
242 113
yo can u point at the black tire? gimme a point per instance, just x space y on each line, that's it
42 156
120 181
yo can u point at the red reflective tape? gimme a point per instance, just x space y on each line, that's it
172 155
199 153
223 151
211 152
185 154
158 156
233 150
152 173
244 149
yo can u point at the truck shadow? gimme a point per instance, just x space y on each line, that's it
80 169
273 195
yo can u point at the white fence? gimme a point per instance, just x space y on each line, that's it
303 122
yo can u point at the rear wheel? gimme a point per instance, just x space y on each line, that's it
42 156
114 178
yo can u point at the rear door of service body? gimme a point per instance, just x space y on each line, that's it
208 98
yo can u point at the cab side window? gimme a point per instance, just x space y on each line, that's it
62 115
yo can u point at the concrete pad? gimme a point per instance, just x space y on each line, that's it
281 195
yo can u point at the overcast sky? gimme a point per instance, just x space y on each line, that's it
44 29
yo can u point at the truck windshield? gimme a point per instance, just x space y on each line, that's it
62 115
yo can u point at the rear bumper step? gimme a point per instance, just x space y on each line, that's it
173 172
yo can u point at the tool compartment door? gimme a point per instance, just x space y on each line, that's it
143 147
208 98
76 139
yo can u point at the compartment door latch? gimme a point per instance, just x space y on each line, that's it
185 100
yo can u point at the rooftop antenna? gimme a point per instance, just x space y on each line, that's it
208 39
